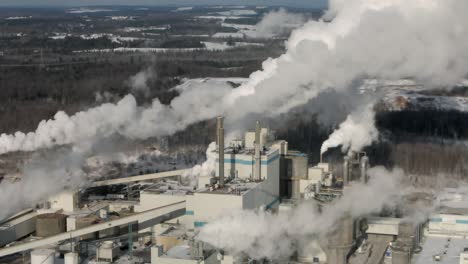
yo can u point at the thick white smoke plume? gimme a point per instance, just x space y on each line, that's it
260 234
207 168
42 178
382 39
424 40
139 82
278 23
355 133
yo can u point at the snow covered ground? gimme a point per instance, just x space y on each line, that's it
406 94
121 18
212 46
88 10
140 29
189 84
181 9
222 18
241 12
18 18
228 35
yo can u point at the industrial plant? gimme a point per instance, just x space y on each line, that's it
156 218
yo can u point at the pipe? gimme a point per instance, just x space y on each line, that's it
258 167
220 132
346 170
364 166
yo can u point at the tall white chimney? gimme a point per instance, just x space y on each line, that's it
220 139
258 161
346 170
364 167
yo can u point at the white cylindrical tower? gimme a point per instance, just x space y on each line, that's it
220 134
43 256
364 167
346 170
258 161
71 258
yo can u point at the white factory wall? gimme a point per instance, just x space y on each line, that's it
316 174
243 164
250 138
464 258
281 146
303 184
267 192
324 166
449 224
67 201
149 200
204 207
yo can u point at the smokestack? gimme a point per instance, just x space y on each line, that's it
258 165
364 166
220 137
346 170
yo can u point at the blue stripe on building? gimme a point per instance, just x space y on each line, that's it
199 224
437 220
188 212
461 221
270 205
250 162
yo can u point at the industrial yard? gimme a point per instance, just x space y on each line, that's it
256 172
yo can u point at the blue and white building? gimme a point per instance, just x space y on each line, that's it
244 188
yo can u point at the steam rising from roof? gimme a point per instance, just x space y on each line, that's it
264 235
424 40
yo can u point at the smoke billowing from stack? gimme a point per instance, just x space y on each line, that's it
220 133
240 232
384 39
381 39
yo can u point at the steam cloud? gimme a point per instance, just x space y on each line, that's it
383 39
206 169
139 82
355 133
278 23
264 235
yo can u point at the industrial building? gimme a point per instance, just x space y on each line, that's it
254 172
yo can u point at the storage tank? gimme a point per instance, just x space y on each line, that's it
50 224
400 254
43 256
340 240
406 233
364 167
71 258
295 189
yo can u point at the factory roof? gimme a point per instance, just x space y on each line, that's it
179 252
454 201
172 231
267 150
448 249
234 188
169 187
17 220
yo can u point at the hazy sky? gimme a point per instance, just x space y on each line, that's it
305 3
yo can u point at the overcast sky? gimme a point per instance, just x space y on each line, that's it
304 3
